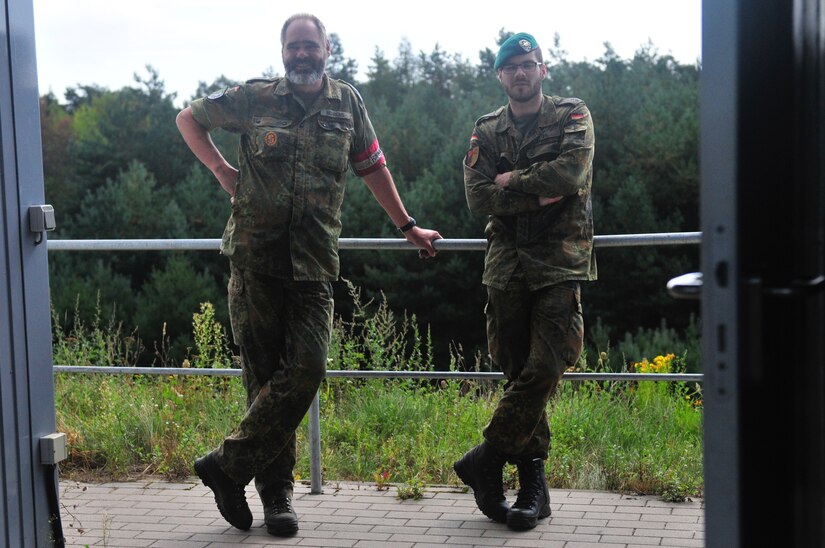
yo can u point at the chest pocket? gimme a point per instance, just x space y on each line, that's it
545 150
334 140
506 162
273 138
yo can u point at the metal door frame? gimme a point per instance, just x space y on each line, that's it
26 378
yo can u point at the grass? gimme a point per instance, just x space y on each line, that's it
643 437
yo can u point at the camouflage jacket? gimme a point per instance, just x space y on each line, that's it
286 215
553 243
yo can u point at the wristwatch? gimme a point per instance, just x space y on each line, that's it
408 226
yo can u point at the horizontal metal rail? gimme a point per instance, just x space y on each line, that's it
213 244
446 244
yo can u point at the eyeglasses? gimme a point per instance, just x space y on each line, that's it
528 67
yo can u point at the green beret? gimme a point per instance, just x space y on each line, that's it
518 44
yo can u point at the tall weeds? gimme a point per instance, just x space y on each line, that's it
633 437
75 343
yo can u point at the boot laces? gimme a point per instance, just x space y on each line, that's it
281 506
528 495
492 473
531 489
239 498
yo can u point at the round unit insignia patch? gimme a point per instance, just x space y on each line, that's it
271 139
216 94
525 44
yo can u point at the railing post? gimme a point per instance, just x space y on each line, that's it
316 481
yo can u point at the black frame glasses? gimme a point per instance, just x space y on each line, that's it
528 67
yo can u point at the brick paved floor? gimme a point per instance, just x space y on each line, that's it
161 514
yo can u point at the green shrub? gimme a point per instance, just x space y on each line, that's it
641 437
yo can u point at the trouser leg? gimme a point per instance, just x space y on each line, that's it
283 330
533 336
276 480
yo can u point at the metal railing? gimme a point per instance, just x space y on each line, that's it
316 481
214 244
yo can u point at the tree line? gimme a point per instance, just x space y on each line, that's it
116 167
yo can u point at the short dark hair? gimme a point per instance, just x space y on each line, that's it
308 16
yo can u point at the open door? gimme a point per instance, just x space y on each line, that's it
29 447
763 197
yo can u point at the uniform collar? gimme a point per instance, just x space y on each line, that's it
330 90
547 116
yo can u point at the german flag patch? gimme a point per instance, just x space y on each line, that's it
472 156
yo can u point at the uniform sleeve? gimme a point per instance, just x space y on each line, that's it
483 195
568 173
226 109
366 155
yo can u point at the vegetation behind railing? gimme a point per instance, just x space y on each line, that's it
621 436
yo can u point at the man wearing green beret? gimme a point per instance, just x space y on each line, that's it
529 167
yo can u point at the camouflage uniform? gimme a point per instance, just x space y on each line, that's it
536 257
282 242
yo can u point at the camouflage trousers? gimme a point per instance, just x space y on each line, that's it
282 328
533 337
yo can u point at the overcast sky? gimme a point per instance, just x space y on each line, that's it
105 42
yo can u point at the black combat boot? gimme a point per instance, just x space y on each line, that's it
533 500
280 518
230 496
481 469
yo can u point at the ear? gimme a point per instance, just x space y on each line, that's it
543 70
329 47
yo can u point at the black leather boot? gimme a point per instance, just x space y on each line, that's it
280 518
481 468
230 496
533 501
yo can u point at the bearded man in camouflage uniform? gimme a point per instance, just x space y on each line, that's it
529 167
298 136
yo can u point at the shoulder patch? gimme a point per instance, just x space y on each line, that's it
215 95
472 155
221 93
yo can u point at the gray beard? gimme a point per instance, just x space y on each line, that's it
304 79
